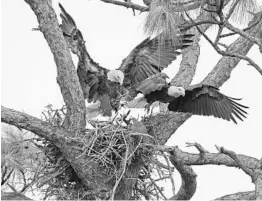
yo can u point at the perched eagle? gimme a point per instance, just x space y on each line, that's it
148 58
198 99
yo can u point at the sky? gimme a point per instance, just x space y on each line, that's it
28 82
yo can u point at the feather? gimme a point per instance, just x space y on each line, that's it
207 100
157 52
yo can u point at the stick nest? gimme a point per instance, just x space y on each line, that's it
113 148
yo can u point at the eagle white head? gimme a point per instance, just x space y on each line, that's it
176 91
116 76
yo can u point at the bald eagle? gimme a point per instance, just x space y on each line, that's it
148 58
198 99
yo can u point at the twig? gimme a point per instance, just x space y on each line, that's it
230 54
198 146
170 174
243 34
127 5
158 188
245 29
123 171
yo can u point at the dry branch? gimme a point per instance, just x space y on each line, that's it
176 7
40 128
249 165
127 5
215 159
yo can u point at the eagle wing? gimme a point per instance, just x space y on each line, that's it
72 35
89 72
91 75
208 101
153 83
151 56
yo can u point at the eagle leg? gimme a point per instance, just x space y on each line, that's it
148 108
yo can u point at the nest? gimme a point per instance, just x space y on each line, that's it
114 148
125 158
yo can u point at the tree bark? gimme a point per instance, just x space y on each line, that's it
66 73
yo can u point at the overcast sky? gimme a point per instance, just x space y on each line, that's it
29 81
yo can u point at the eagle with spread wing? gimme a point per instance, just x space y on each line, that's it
148 58
200 99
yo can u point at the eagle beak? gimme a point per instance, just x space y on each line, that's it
120 81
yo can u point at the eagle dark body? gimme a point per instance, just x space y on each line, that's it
159 95
96 86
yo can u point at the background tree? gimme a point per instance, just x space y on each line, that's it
71 149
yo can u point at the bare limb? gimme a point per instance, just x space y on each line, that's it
127 5
239 163
66 73
245 29
40 128
189 183
243 33
255 174
198 146
177 7
215 159
227 52
249 165
230 54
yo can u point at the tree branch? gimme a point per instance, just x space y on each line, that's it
188 176
230 53
177 7
249 195
215 159
127 5
40 128
249 165
239 163
66 73
255 174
